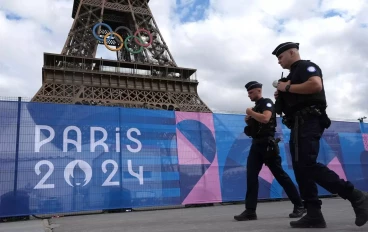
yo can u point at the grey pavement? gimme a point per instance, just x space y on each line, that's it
272 216
24 226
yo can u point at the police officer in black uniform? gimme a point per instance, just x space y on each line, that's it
261 127
301 98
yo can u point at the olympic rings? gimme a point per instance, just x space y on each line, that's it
130 50
122 27
113 49
114 35
102 24
149 34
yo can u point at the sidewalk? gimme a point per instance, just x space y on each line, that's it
272 217
33 225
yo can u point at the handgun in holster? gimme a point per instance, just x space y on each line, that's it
273 147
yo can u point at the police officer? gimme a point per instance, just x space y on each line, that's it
261 127
301 98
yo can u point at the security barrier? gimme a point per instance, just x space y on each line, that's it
69 158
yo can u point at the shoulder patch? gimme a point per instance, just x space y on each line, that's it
268 105
311 69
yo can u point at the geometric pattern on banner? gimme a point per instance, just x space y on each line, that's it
198 164
364 158
364 154
234 146
365 141
352 150
188 153
330 155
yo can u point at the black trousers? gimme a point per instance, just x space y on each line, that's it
254 166
307 171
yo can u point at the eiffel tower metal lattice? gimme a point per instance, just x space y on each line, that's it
144 74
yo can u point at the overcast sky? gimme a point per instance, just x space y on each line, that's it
229 42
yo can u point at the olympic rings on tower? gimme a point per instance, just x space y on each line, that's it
120 39
111 35
149 34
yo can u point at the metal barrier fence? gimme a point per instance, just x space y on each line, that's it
67 159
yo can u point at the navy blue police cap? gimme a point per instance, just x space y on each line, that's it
283 47
252 85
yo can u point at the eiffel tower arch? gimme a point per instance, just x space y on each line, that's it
144 74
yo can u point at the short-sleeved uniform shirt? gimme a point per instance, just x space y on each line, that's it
300 72
262 105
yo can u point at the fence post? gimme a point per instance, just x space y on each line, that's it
17 146
120 153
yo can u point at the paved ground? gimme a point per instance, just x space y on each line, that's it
24 226
272 216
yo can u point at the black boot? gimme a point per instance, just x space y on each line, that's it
313 219
359 201
298 212
246 215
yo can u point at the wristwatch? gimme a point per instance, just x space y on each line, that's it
287 88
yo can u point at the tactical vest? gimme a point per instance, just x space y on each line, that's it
261 130
289 103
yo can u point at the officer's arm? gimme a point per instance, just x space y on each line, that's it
312 85
310 79
262 118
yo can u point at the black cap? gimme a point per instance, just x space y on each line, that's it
283 47
252 85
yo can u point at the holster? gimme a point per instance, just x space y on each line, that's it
247 131
325 121
288 122
252 128
273 149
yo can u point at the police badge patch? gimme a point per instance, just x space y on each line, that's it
268 105
311 69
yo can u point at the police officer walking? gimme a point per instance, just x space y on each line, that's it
301 97
261 127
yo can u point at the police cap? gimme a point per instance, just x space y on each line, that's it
283 47
252 85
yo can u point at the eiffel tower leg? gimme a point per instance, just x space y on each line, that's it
80 41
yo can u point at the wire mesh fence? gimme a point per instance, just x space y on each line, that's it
60 159
218 111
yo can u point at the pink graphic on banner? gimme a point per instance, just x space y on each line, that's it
205 118
336 166
365 141
266 174
208 187
187 153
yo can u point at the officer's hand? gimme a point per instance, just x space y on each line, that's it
247 117
282 85
248 111
276 94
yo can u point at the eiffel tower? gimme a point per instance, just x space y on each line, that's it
144 74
